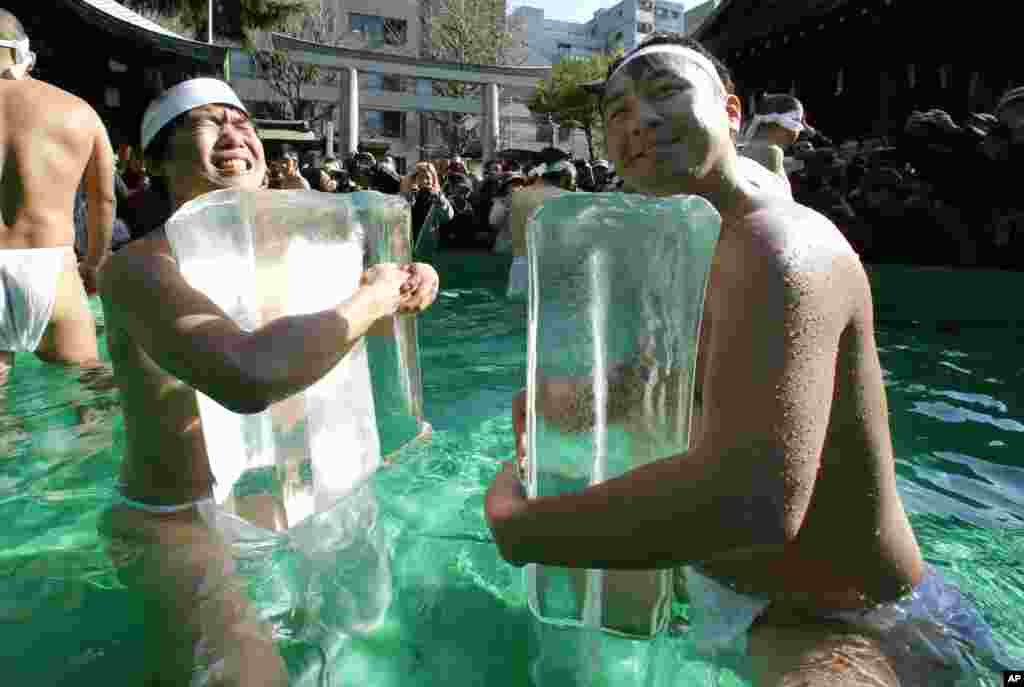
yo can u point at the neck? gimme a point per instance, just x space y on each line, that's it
727 191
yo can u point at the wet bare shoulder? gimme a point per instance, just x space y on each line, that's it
801 252
40 100
793 235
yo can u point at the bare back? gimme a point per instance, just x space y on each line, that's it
855 544
47 139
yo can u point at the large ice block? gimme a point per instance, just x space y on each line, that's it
260 255
616 297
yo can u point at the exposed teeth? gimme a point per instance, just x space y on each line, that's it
234 166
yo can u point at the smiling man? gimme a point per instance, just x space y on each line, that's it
167 341
785 508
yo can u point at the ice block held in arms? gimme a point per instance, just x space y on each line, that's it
616 297
260 255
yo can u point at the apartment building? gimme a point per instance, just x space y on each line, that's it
622 26
386 26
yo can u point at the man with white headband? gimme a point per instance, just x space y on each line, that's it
52 142
776 127
798 553
166 340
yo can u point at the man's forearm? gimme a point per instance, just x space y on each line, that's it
313 344
101 230
668 513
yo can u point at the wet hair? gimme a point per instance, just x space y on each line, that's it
666 38
778 103
159 147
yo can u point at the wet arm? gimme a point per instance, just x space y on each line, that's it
189 336
747 482
99 188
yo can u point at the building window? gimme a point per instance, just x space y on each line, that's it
375 83
647 5
564 50
383 124
675 14
644 27
378 30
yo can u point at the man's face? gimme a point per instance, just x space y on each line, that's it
422 180
668 122
215 147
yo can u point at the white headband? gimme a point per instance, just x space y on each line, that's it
23 57
21 51
181 99
792 120
682 51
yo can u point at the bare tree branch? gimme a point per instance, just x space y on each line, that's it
465 32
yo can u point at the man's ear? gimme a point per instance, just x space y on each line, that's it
734 110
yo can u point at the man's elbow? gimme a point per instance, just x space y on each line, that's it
238 388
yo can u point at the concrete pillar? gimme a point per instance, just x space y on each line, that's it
329 139
492 121
348 112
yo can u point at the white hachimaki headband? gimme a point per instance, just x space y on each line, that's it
182 98
23 57
792 120
682 51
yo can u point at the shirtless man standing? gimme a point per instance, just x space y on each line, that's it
49 139
168 340
787 500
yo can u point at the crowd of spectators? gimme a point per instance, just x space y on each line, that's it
454 206
936 194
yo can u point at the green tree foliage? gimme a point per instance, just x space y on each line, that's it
233 20
565 98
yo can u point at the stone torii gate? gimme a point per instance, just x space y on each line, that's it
353 61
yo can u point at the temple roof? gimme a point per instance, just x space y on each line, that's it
734 22
117 19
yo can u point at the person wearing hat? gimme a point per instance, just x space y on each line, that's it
168 341
53 141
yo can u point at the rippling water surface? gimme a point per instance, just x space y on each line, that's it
459 613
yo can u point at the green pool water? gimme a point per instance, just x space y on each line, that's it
459 614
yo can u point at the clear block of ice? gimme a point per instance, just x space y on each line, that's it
616 297
260 255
